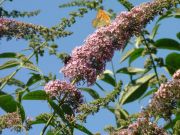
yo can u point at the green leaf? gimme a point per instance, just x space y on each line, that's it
34 79
173 62
176 128
136 54
9 64
138 41
31 66
12 81
148 93
91 92
51 132
177 12
36 95
8 55
154 31
83 129
167 43
172 123
37 58
178 35
130 70
127 55
110 108
7 103
57 109
38 122
107 77
21 111
133 92
16 82
67 109
120 114
126 4
99 86
132 54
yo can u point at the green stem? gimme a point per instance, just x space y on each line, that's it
47 124
50 119
130 76
151 57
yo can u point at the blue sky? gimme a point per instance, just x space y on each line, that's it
51 15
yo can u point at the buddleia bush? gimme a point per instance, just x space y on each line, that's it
85 67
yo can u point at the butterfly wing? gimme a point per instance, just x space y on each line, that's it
102 19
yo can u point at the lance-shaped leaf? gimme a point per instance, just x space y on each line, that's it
21 111
7 103
127 55
132 54
178 35
136 54
131 70
173 62
12 81
8 55
154 31
91 92
120 115
83 129
133 92
33 79
31 66
36 95
167 43
42 119
9 64
126 4
150 92
58 110
99 86
107 77
67 109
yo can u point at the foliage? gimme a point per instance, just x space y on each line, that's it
144 81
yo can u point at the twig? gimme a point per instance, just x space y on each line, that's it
50 119
151 57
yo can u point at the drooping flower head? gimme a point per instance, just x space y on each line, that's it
166 98
10 120
10 28
89 60
176 75
141 127
60 89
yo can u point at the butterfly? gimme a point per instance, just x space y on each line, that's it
102 19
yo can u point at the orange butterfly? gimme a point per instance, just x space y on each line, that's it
102 19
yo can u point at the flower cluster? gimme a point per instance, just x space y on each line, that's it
141 127
11 28
176 75
162 103
10 120
166 98
64 91
89 60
